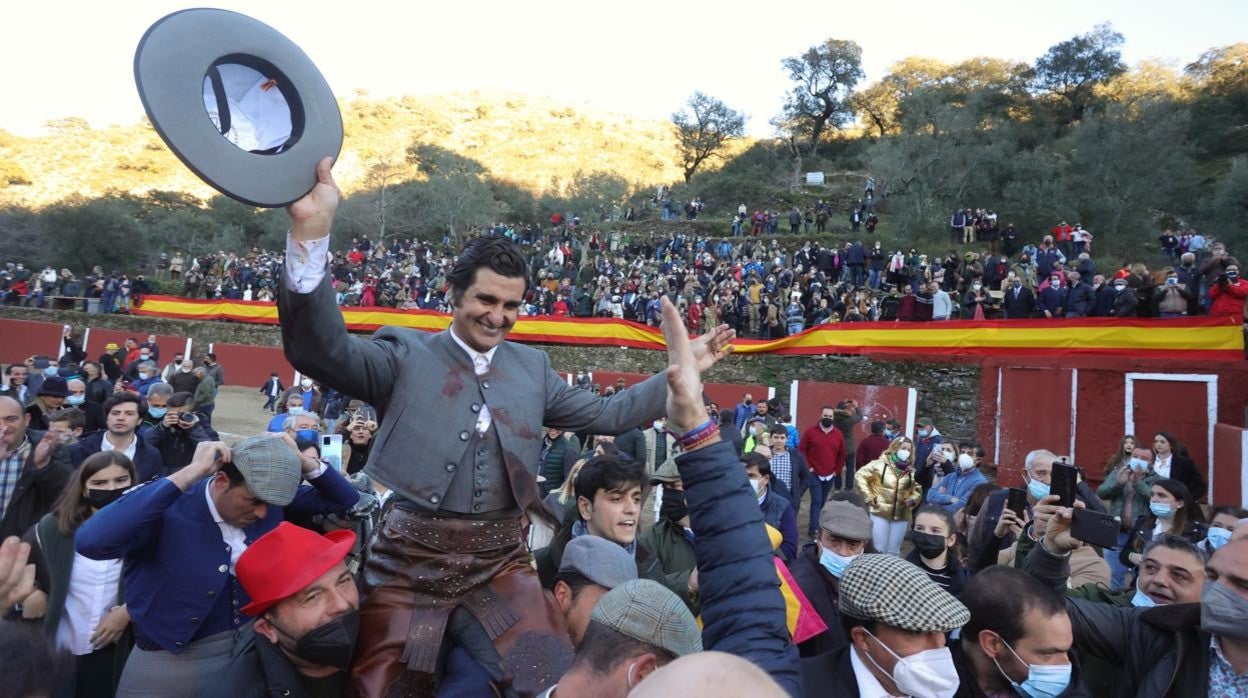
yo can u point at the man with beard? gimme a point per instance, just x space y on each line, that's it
464 502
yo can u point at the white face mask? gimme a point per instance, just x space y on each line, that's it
903 455
658 425
965 462
305 384
928 674
757 485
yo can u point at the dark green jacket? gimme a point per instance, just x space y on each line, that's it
670 560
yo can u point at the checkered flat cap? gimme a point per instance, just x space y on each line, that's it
889 590
648 612
270 468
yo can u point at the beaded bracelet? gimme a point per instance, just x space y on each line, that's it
697 435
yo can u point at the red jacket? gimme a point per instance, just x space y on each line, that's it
824 451
1228 301
870 448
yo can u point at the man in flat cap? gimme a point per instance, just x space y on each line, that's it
896 619
844 531
307 611
591 567
633 630
462 416
181 537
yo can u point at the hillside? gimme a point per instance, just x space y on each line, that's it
536 143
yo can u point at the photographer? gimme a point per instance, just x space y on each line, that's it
177 434
1227 294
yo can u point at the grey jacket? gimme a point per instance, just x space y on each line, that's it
428 397
1162 650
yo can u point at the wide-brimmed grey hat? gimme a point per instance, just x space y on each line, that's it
239 103
270 468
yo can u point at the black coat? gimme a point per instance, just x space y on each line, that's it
1125 303
1019 308
1079 300
1103 301
258 669
147 460
830 674
820 588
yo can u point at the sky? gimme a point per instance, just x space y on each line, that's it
638 57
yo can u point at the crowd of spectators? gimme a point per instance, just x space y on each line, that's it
763 287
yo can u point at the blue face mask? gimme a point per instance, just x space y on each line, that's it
157 412
75 400
1139 464
308 434
923 433
294 411
1038 490
50 372
1142 600
1043 681
1162 510
1218 537
833 563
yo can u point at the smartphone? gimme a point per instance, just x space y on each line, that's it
331 450
1065 478
1095 528
1016 501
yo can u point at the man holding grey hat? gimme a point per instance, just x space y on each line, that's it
633 630
844 531
896 619
180 537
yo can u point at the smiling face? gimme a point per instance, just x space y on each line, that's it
613 514
485 312
1169 576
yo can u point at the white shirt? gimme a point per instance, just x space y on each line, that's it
234 538
868 685
106 445
92 594
480 366
1161 466
306 263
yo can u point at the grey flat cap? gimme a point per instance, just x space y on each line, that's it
270 467
889 590
599 560
648 612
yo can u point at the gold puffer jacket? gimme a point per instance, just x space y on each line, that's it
890 492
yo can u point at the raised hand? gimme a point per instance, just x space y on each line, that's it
312 216
43 449
713 346
17 578
684 388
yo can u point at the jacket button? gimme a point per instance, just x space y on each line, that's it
485 384
212 594
481 466
435 499
450 467
463 436
194 621
223 569
476 407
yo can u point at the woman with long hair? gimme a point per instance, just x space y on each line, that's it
891 492
1125 490
1170 459
936 548
1172 509
81 600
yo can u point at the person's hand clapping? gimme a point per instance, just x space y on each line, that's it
312 216
17 578
684 388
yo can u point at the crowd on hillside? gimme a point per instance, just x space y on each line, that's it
763 287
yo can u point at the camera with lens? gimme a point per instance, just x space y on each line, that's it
188 419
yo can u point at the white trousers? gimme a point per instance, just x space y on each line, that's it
887 535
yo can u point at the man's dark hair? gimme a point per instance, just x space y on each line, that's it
1167 540
181 399
826 407
32 665
779 430
603 649
233 474
726 417
71 415
757 460
8 370
575 581
122 398
877 427
212 356
498 254
608 474
999 597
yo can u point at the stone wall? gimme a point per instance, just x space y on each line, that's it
948 392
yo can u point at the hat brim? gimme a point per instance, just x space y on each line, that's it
170 65
341 540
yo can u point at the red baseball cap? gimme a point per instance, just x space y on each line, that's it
285 560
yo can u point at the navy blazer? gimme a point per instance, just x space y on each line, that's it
147 461
175 561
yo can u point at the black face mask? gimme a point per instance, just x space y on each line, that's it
929 545
102 498
331 644
826 422
674 506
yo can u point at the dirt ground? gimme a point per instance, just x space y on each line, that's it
239 414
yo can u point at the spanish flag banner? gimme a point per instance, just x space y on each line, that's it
1215 338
